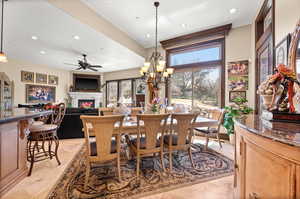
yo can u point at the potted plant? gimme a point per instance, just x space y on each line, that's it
239 108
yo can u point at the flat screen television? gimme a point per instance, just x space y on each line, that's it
87 83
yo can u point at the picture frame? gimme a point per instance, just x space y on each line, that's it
40 93
41 78
52 80
238 68
238 83
235 94
140 87
282 51
27 76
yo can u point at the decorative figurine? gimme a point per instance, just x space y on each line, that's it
286 78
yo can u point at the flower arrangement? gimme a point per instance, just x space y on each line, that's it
155 105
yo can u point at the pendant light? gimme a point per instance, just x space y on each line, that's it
3 57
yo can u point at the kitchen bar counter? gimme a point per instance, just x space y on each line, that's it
267 159
21 114
13 142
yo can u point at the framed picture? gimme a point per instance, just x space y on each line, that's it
140 87
41 78
236 94
27 76
238 83
40 93
238 68
52 80
282 51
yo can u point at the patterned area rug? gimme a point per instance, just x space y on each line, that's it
103 181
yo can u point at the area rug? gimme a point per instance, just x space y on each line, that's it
103 183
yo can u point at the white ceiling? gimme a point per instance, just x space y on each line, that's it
195 14
55 31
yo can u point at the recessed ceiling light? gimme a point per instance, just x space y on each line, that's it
232 10
76 37
183 25
34 37
42 52
148 35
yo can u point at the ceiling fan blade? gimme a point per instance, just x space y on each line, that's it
92 69
71 64
78 68
96 66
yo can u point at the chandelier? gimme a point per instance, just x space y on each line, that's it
155 70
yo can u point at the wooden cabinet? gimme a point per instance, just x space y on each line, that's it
13 166
265 168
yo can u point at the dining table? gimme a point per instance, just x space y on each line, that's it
130 125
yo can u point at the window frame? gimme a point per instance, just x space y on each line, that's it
192 66
133 83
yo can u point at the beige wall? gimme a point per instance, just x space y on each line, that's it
13 69
238 47
287 13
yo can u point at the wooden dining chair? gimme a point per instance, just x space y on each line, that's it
106 111
212 132
135 111
180 135
147 142
104 148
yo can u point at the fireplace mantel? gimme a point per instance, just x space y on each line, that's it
75 96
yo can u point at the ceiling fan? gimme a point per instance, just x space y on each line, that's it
83 64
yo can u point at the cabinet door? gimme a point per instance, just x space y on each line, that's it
266 175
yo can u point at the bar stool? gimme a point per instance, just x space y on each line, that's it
46 133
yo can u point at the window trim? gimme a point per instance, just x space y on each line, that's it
221 62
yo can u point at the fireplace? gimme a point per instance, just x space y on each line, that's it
86 103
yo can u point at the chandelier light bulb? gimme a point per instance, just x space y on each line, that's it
3 57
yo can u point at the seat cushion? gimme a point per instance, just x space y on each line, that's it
36 123
143 143
207 131
174 140
41 128
93 146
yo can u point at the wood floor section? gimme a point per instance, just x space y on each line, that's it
45 175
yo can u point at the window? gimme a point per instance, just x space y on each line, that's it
195 56
198 80
127 91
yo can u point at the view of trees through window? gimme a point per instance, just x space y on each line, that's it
197 84
196 88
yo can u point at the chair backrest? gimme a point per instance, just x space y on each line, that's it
153 125
103 129
106 111
58 114
136 110
215 113
183 126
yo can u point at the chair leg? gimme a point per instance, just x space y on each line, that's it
207 140
170 161
191 157
56 140
138 165
162 161
119 168
87 175
32 157
219 141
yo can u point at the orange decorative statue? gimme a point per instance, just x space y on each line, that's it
286 77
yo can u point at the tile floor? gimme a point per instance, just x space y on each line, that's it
46 173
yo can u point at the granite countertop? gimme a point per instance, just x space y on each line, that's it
20 114
287 133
